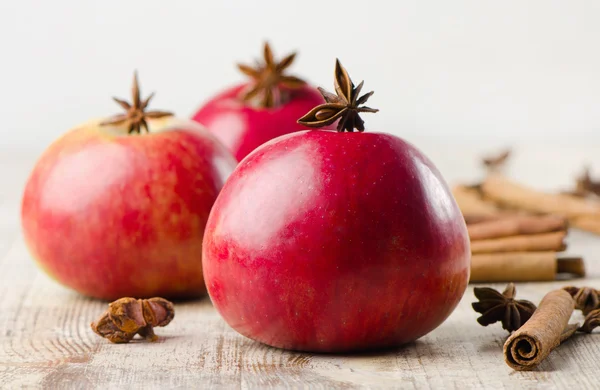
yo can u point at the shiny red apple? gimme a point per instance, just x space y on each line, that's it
245 116
110 211
331 241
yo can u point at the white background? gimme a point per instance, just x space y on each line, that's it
505 72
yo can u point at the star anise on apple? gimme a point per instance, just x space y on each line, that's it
586 299
135 116
344 105
268 78
495 306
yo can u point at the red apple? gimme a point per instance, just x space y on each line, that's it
330 241
113 214
245 116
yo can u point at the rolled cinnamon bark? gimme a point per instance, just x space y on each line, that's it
524 243
504 191
544 331
472 205
474 218
588 223
524 267
517 225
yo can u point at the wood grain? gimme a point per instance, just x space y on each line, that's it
46 342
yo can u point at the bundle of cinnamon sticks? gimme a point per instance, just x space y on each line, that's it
517 233
521 248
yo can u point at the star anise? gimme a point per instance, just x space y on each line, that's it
127 317
496 162
586 298
585 185
592 320
495 306
268 78
136 115
345 105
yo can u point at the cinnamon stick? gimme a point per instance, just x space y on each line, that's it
476 218
545 330
524 267
472 205
588 223
506 192
517 225
523 243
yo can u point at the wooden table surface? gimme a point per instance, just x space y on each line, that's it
46 341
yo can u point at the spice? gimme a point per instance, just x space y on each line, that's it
136 115
589 223
584 185
494 163
586 299
581 212
127 317
497 196
344 105
507 246
524 267
554 241
546 329
473 207
516 225
268 78
495 306
592 320
510 194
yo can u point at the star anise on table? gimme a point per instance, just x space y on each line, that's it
269 76
496 162
495 306
344 105
127 317
592 320
585 185
136 115
586 298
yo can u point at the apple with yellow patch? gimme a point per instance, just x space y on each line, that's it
110 210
